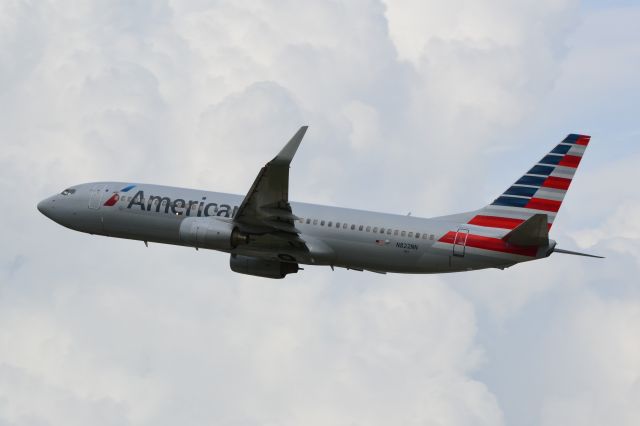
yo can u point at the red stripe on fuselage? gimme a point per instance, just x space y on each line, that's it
544 204
495 221
492 244
570 161
557 183
498 222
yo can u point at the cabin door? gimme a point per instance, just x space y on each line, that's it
460 242
95 196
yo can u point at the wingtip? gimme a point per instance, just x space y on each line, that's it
289 150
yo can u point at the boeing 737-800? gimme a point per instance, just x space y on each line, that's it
269 236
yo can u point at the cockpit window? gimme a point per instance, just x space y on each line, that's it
68 191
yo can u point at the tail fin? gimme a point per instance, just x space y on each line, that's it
540 191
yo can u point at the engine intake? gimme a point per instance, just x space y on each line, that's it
261 267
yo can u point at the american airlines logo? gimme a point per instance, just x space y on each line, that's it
178 206
116 196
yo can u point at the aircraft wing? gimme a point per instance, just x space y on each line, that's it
266 208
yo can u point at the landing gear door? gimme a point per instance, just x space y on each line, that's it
460 242
95 196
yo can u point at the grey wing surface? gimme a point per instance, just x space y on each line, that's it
265 210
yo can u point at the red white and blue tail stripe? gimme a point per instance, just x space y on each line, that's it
540 190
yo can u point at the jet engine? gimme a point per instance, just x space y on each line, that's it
211 233
261 267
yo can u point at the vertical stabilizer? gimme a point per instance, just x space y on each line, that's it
539 191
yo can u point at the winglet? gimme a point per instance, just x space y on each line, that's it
286 155
532 232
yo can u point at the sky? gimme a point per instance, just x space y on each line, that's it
414 106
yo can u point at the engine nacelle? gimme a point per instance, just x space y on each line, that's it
261 267
211 233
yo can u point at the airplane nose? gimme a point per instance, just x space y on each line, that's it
45 207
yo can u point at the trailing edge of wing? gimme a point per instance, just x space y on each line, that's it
575 253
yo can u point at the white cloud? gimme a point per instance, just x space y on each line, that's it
409 104
596 378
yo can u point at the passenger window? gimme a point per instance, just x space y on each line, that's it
410 234
424 236
308 221
431 237
368 229
375 230
417 235
315 221
395 232
360 228
337 224
389 231
322 223
382 230
329 224
353 227
344 226
403 233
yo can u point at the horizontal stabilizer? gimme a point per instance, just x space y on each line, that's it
575 253
531 232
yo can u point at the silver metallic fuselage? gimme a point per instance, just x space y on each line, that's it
155 215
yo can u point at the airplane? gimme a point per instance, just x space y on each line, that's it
268 236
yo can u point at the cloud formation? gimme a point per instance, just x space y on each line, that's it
413 106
